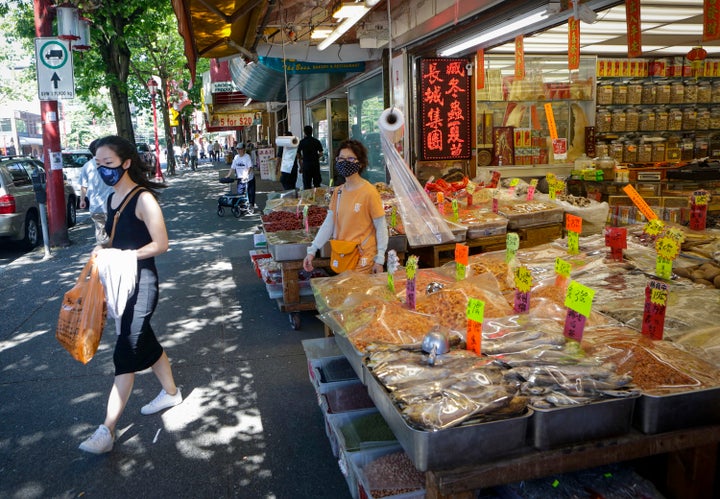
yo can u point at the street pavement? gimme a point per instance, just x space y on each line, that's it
250 425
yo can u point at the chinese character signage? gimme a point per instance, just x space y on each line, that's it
573 43
634 35
711 20
445 109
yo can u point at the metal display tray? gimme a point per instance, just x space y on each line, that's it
661 413
452 447
353 356
567 425
285 252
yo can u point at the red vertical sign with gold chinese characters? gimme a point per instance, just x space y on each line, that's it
573 43
519 58
480 69
444 109
634 35
711 20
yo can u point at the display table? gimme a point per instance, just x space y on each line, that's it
691 463
291 301
435 256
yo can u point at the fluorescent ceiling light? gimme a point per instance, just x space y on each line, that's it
651 14
616 49
676 29
503 30
247 102
320 33
352 13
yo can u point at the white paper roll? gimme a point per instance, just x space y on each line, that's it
392 124
287 141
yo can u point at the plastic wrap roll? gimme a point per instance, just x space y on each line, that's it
392 124
287 141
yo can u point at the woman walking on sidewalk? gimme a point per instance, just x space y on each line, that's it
138 235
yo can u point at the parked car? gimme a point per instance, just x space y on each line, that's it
19 209
73 162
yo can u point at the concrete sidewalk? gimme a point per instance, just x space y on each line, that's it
250 425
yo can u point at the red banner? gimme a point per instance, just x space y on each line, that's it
519 57
634 35
445 109
480 69
573 43
711 20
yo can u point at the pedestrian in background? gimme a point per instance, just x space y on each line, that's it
96 192
216 151
242 165
141 235
193 155
288 166
309 151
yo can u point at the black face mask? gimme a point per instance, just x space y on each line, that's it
347 168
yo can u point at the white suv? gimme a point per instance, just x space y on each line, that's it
73 162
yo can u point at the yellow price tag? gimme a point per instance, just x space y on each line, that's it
676 234
579 298
573 243
411 266
654 227
523 279
667 248
562 267
659 296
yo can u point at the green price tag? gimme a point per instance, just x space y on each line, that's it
512 244
475 309
579 298
663 267
393 217
460 270
573 243
552 190
391 282
411 266
523 279
454 204
514 182
562 268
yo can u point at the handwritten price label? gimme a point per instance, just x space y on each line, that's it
573 223
460 271
462 253
474 336
701 197
663 267
579 298
512 244
562 268
667 248
411 266
475 310
393 217
523 279
573 243
654 227
455 210
640 202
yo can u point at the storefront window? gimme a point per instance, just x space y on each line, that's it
365 104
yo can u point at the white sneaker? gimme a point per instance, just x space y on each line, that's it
162 401
100 442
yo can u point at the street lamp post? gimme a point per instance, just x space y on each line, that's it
152 87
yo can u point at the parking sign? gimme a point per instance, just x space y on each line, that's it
54 69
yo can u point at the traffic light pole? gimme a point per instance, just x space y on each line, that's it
52 157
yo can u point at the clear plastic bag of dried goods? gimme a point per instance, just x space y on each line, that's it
658 367
332 292
522 333
424 226
449 305
389 472
703 342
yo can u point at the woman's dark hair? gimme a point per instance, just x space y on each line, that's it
138 169
358 148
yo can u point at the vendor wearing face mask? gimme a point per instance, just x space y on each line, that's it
355 212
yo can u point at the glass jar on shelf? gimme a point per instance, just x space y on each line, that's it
658 152
662 92
704 92
605 93
675 119
687 149
715 95
630 150
701 147
673 151
691 91
620 91
634 92
689 118
618 120
602 149
632 119
703 119
644 152
661 119
648 93
677 92
603 120
647 120
715 119
616 151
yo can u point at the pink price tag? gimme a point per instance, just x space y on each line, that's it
698 216
653 323
522 302
495 205
530 193
574 325
410 293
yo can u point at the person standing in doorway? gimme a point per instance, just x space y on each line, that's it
139 232
96 192
309 151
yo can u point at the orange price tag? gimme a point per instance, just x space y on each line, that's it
462 253
638 201
573 223
552 128
474 336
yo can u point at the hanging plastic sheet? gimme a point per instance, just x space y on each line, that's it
424 226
